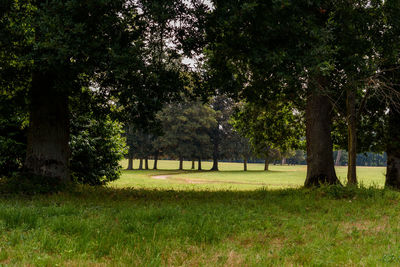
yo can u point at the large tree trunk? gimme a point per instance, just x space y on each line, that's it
155 160
193 167
215 155
48 150
352 137
338 157
146 163
266 164
130 163
199 165
393 151
141 164
283 161
180 163
320 168
245 164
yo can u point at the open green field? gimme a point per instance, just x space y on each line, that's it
209 222
232 177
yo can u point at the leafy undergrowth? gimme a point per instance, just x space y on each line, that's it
132 227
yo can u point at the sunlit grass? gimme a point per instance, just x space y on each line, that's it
232 177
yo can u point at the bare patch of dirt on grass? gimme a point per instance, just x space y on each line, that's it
72 263
160 177
185 257
274 243
365 226
203 181
234 259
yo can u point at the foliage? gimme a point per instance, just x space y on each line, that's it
274 126
97 148
140 142
96 144
12 136
186 130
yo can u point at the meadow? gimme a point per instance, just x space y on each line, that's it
190 218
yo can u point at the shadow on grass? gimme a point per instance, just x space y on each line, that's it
156 195
176 171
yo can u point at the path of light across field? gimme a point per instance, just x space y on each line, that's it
231 176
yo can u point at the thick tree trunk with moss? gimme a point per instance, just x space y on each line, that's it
245 164
199 165
393 151
352 137
320 165
130 164
48 150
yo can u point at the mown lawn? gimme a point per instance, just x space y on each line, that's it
202 227
231 177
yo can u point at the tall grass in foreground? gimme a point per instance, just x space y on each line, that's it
136 227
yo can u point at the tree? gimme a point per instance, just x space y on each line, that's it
238 147
95 141
141 146
223 106
356 62
59 47
270 50
306 53
269 127
65 46
390 79
186 130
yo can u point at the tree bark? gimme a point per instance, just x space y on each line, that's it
320 166
141 164
199 166
130 164
245 164
155 160
48 150
180 163
146 163
283 161
338 157
193 167
215 154
393 151
266 164
352 137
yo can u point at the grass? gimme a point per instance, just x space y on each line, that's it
205 224
231 177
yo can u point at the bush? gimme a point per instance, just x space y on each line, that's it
97 147
12 138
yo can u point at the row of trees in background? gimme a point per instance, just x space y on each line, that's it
225 130
190 130
309 73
